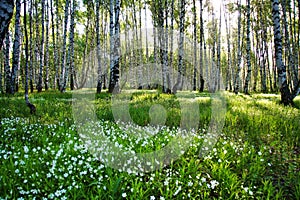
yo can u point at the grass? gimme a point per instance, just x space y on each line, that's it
45 156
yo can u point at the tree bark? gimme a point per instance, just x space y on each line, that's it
7 66
47 48
31 47
239 53
115 46
30 105
71 47
195 46
286 96
229 65
40 80
179 83
99 72
6 13
63 70
16 48
201 86
248 77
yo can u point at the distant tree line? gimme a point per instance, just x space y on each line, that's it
59 42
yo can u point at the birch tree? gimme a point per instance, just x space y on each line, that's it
287 96
99 72
30 105
54 45
7 65
246 86
239 54
201 88
195 46
6 13
31 47
179 82
46 82
70 54
114 12
16 48
228 77
63 70
41 52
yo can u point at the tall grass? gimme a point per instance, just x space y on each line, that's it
255 157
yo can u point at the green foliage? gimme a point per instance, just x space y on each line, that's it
256 156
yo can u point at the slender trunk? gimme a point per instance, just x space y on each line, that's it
179 82
70 49
31 48
147 48
201 87
213 76
6 13
288 51
286 96
171 56
246 86
195 46
218 73
114 46
165 38
63 70
30 105
57 47
16 48
99 72
239 53
40 81
47 48
55 62
7 66
72 60
228 70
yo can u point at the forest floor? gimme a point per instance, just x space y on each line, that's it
58 154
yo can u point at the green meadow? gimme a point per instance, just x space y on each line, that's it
256 154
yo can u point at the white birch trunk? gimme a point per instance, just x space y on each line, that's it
246 86
16 48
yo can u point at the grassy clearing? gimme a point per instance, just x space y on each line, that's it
256 156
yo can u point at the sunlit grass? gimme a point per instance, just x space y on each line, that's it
256 157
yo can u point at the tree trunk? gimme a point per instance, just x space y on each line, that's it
165 44
6 13
201 87
246 86
16 48
228 70
7 66
239 53
63 70
286 96
40 80
218 73
179 82
288 51
57 47
31 48
195 46
99 72
30 105
71 49
47 48
115 46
